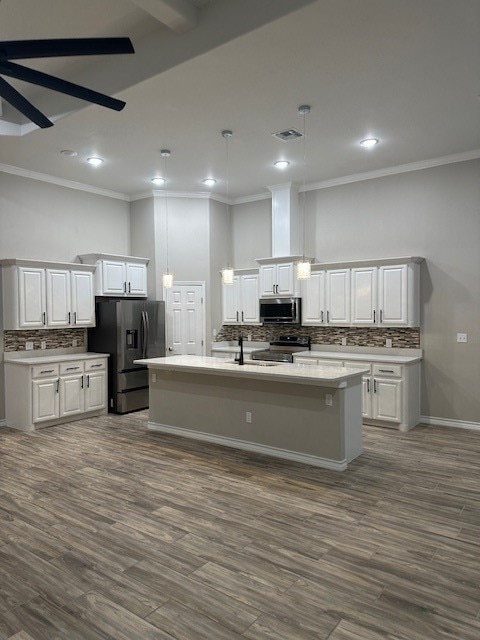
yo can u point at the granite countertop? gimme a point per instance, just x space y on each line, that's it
278 372
362 357
53 359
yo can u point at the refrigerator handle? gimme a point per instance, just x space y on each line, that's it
147 333
142 334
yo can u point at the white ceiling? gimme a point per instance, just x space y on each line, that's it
407 72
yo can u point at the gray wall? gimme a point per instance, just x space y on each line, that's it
42 221
142 239
251 233
434 213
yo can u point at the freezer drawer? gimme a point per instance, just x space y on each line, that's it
132 380
132 400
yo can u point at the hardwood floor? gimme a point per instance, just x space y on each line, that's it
108 531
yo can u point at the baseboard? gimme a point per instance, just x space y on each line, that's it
254 447
3 423
446 422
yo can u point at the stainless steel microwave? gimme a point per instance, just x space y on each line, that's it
280 310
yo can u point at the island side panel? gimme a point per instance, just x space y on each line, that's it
290 417
352 419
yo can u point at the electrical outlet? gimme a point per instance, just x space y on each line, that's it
344 342
328 399
248 417
154 377
249 337
28 345
388 343
462 337
74 342
43 344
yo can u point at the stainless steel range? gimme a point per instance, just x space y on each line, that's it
283 349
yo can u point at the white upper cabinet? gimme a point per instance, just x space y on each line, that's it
384 295
83 299
364 295
338 296
393 295
24 299
119 276
278 280
313 299
240 300
48 296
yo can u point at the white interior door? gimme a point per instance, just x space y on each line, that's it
185 319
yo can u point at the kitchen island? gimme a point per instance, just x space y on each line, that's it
309 414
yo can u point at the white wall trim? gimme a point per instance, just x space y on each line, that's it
198 195
245 445
61 182
3 423
267 195
448 422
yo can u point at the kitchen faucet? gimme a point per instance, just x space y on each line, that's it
240 357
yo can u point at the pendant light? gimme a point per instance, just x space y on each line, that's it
303 266
227 272
167 276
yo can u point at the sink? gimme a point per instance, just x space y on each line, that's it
262 363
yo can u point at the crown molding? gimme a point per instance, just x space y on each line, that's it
258 196
197 195
389 171
61 182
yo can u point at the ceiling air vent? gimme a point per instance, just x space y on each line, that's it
288 134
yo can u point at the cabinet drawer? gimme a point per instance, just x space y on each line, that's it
359 365
95 365
387 370
305 360
67 368
324 362
45 371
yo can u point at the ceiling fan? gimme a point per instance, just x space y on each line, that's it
22 49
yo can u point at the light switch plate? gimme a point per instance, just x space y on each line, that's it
462 337
388 343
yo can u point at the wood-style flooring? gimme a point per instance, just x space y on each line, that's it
109 531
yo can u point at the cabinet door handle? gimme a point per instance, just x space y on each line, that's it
237 316
44 318
381 316
242 316
273 288
321 315
374 386
72 368
374 315
328 316
129 287
69 317
124 287
58 385
82 382
47 371
93 366
88 381
368 385
277 288
74 317
386 371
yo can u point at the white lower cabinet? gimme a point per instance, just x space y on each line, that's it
390 392
47 394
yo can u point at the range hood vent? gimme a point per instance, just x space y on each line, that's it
288 134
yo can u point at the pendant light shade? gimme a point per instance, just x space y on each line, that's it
303 266
227 275
167 280
304 269
167 276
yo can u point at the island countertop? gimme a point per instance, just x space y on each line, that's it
280 372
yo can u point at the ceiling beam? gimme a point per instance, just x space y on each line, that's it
178 15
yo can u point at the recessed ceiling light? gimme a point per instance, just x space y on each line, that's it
209 182
281 164
95 161
158 180
368 143
69 152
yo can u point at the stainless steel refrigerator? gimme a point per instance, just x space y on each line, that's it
128 330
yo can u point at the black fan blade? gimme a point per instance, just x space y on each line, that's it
62 86
22 49
11 95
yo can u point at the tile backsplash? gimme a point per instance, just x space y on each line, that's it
402 338
54 338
